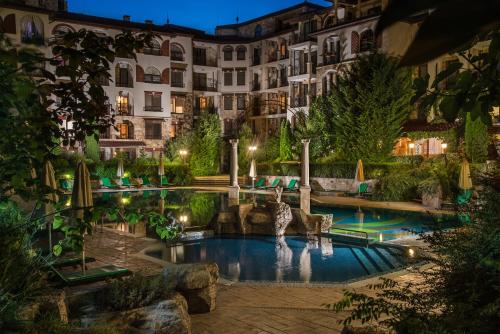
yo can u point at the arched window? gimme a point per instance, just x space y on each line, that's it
153 48
241 52
176 52
152 75
258 30
366 40
61 29
124 106
228 53
123 75
354 42
32 30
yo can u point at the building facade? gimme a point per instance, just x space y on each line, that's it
261 71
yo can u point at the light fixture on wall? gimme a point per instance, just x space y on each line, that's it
411 146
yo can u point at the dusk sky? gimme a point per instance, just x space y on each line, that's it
200 14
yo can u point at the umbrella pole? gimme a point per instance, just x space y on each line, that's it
83 256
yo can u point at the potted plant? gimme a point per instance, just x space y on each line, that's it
432 192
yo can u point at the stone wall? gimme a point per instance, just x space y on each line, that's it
323 184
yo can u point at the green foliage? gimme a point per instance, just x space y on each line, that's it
285 141
477 139
92 148
133 292
268 150
397 185
21 275
472 88
206 146
244 156
459 293
318 126
370 104
203 208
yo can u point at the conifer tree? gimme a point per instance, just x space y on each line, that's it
476 139
285 141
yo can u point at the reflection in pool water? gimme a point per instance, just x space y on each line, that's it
289 259
196 209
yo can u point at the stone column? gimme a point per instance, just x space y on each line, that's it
234 188
305 188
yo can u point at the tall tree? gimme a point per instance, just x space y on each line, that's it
370 103
477 139
206 146
285 141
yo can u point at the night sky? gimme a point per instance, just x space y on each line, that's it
199 14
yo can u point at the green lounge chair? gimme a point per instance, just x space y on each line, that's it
274 184
464 197
146 182
165 183
146 194
291 185
72 261
65 185
91 275
363 188
106 183
259 184
126 182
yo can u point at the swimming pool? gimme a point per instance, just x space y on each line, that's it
289 259
198 208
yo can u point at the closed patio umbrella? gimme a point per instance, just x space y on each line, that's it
161 167
81 197
253 172
360 175
161 205
119 170
49 181
465 181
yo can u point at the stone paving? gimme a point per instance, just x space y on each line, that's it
242 308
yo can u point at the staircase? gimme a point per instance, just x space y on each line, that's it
214 181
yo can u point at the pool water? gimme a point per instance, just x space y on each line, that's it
289 259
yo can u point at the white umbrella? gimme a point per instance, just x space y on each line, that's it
253 172
161 166
49 180
119 171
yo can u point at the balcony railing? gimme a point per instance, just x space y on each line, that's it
152 78
256 86
331 58
153 108
178 84
299 101
208 110
300 38
124 83
283 81
299 70
273 84
176 56
204 61
152 51
123 110
208 86
256 61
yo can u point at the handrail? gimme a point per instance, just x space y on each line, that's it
364 234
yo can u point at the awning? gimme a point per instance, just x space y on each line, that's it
121 143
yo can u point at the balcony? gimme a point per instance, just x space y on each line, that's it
299 101
272 57
152 78
201 61
301 38
197 111
153 108
208 86
256 60
176 55
178 84
152 51
273 84
256 86
299 70
283 81
331 58
124 110
124 83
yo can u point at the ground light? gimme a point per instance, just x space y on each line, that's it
125 200
183 153
411 252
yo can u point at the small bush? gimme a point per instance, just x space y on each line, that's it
133 292
397 185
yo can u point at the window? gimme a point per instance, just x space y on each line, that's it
152 101
240 102
282 103
228 77
228 53
32 30
258 30
123 73
241 52
283 50
199 81
228 102
199 56
354 42
175 129
125 130
177 103
177 78
153 128
240 77
123 104
176 52
366 40
152 75
153 49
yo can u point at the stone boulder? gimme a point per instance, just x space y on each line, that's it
196 282
305 223
281 216
53 302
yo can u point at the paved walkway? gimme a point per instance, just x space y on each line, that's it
241 308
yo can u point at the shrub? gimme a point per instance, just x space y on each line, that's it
397 185
206 146
133 292
285 141
477 139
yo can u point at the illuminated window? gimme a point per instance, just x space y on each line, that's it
177 103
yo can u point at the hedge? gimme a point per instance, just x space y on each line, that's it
342 170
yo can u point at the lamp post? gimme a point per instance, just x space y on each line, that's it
411 146
444 146
183 153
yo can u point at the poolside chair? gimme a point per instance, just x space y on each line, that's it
259 184
291 186
146 182
126 182
106 183
91 275
164 182
65 185
71 261
464 197
362 190
274 184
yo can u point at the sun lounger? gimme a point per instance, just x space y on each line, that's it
62 262
91 275
292 185
165 183
126 182
106 183
66 185
362 190
274 184
464 197
146 182
259 184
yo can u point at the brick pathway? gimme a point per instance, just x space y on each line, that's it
241 308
